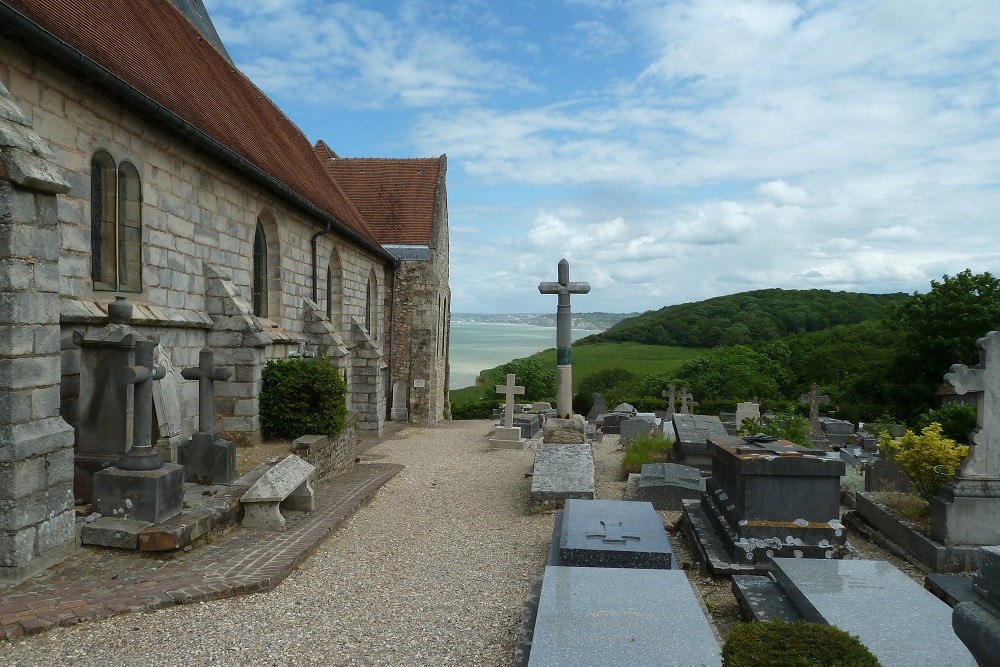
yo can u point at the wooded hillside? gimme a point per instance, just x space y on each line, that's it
749 317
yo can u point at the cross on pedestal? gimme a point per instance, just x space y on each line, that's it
206 374
814 400
984 457
687 401
671 395
142 456
564 335
509 390
613 532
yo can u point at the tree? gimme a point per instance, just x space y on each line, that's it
539 383
938 329
737 372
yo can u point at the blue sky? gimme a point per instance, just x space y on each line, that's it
672 151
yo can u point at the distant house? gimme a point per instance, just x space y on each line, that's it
179 185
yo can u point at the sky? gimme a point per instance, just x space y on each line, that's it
672 151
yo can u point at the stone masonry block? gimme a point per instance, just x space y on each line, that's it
28 372
17 547
23 240
28 308
59 467
22 478
16 341
15 274
45 402
57 531
21 441
15 406
47 340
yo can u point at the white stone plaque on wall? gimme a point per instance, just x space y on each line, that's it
418 383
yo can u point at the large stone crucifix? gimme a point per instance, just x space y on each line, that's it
983 460
814 400
509 390
206 374
207 458
142 456
564 336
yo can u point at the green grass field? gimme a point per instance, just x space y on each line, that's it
638 358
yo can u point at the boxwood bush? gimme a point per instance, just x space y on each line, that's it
302 396
799 644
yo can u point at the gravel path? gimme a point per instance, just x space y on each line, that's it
432 572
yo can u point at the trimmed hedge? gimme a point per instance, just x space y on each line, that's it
302 396
799 644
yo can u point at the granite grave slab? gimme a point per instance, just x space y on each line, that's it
691 434
596 617
666 485
633 429
561 472
613 533
899 621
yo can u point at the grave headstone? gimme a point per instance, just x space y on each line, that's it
561 472
671 395
564 335
625 408
691 434
564 431
666 485
899 621
597 409
967 510
746 410
207 458
530 424
613 533
814 400
400 411
612 422
508 436
541 406
595 617
977 621
634 428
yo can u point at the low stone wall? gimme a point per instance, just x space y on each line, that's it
329 456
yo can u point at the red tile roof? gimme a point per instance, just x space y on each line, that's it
150 46
396 196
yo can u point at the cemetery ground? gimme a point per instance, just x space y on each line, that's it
433 570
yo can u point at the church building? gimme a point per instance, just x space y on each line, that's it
138 163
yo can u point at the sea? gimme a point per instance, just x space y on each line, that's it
476 346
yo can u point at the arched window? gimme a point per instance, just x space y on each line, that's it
329 293
368 306
115 225
258 287
335 290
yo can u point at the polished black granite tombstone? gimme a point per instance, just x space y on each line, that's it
770 499
613 533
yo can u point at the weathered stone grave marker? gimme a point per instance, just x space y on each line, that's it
666 485
206 457
691 434
671 395
561 472
814 400
746 410
508 436
564 336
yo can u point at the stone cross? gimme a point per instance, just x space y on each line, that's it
614 533
508 390
671 395
687 402
983 460
814 400
142 456
206 374
564 336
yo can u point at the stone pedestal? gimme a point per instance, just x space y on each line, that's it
208 459
965 513
140 495
565 431
507 438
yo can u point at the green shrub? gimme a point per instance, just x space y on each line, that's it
302 396
957 420
583 401
787 427
538 382
645 449
918 456
480 409
799 644
605 379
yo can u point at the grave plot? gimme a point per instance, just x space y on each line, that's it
766 500
595 617
691 435
610 533
665 485
900 622
561 472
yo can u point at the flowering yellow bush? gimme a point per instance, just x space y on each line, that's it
918 455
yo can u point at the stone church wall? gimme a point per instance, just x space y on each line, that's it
197 215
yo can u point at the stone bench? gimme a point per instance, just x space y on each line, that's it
286 485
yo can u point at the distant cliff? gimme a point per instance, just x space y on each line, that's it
591 321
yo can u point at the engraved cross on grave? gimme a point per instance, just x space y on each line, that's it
813 399
564 336
508 436
967 511
207 458
613 532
